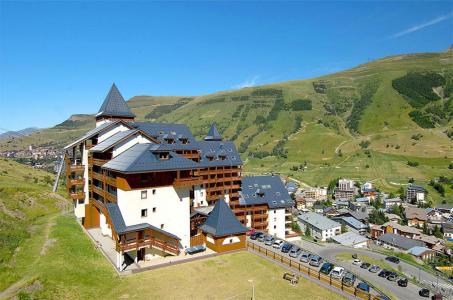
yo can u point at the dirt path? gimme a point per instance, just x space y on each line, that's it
13 289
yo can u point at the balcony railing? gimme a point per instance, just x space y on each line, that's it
77 195
76 181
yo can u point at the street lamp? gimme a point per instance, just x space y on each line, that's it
253 289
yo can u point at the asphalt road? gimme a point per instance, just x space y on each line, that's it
329 252
410 292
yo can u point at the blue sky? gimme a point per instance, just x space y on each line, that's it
60 58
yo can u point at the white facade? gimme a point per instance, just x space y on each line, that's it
166 208
345 184
276 225
199 196
126 144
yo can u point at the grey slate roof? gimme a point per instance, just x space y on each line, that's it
223 153
113 140
120 226
213 134
400 241
162 131
318 221
114 105
349 239
145 158
92 133
264 190
353 222
221 221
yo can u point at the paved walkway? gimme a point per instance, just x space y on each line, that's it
107 246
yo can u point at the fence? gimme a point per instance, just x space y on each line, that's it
313 273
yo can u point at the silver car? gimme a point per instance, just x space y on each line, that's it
315 261
269 240
305 257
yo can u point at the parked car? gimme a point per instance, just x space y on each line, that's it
384 273
365 265
305 257
326 268
348 279
393 259
337 272
255 235
251 231
195 249
295 251
262 237
364 287
269 240
286 247
392 276
315 261
374 269
278 243
402 282
357 262
424 293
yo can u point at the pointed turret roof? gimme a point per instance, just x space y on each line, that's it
221 221
114 105
213 134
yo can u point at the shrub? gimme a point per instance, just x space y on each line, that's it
412 163
364 144
301 104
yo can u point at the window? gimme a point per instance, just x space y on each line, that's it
154 209
161 226
231 241
201 194
275 219
144 213
275 211
154 192
144 194
275 226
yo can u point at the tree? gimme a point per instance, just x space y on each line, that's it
307 232
377 217
425 229
437 232
344 228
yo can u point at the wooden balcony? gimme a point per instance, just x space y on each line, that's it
138 243
97 161
187 181
259 224
218 171
77 195
98 176
76 168
110 181
76 182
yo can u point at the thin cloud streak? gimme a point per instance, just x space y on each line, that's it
247 83
423 25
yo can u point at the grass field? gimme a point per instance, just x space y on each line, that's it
71 268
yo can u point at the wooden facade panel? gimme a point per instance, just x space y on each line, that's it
218 247
92 217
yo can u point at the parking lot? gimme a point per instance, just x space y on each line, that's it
313 271
381 283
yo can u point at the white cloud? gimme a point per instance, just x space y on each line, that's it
422 25
249 82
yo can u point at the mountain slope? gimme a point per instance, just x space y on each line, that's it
317 129
18 133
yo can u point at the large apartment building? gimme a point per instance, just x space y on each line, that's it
153 186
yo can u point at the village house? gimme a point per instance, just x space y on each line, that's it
388 203
351 239
352 224
394 241
447 229
415 216
320 227
415 193
317 193
154 190
422 253
346 189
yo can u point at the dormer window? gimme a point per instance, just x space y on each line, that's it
164 156
169 140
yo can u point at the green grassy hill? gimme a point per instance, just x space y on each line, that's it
26 204
399 108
